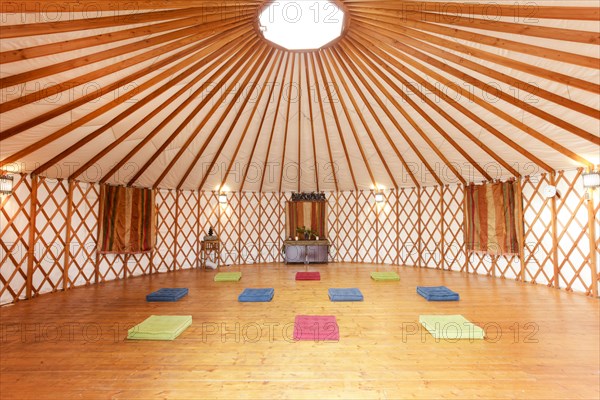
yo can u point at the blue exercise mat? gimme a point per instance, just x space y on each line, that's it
347 294
437 293
167 294
256 295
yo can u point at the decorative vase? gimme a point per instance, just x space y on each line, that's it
306 236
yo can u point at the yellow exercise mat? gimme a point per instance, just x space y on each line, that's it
451 327
160 327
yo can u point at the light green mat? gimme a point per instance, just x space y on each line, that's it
160 327
385 276
228 276
451 327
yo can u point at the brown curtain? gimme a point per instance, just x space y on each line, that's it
127 220
310 214
494 218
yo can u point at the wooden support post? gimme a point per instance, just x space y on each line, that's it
592 237
376 207
520 232
126 272
176 238
554 232
261 229
419 227
198 231
98 255
32 232
356 241
397 225
466 252
239 228
68 222
443 238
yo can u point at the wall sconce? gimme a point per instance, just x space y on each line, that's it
6 184
222 198
591 180
379 198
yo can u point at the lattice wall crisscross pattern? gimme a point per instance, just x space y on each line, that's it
50 235
406 229
14 231
84 222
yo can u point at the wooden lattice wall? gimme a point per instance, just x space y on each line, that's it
415 227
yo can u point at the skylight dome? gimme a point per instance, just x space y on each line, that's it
301 24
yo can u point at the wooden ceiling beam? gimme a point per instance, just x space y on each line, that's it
205 57
98 93
238 114
393 72
535 90
361 59
300 123
519 11
503 61
53 90
393 119
278 60
94 6
29 53
367 104
225 66
357 60
186 36
312 124
484 86
287 121
255 55
262 121
70 25
225 53
331 103
389 44
328 55
498 42
322 111
546 32
342 103
114 103
275 116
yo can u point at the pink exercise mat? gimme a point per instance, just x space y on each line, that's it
316 327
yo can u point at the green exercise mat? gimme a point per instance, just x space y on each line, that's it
451 327
160 327
385 276
228 276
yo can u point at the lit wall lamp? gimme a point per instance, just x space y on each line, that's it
591 180
222 198
379 198
6 185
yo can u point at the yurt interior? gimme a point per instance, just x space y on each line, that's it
299 199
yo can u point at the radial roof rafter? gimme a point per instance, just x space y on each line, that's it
408 83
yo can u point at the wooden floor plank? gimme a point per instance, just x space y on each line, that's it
542 343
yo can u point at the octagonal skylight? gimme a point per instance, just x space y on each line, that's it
301 24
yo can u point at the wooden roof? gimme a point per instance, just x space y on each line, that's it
188 94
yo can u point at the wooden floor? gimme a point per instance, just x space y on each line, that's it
542 343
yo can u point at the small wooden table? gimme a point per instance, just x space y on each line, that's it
206 248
